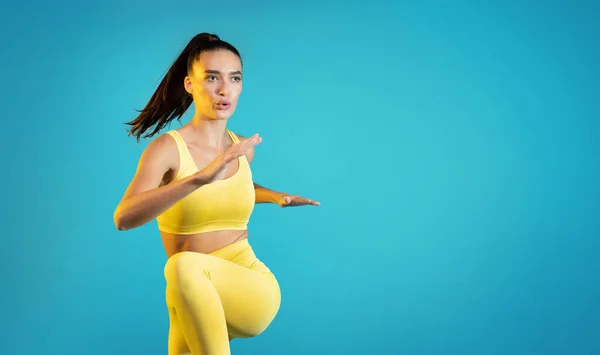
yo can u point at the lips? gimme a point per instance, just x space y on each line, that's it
222 105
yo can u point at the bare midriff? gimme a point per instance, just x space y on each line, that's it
206 242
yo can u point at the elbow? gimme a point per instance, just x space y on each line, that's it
120 226
119 221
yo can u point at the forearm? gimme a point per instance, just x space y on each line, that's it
140 209
264 195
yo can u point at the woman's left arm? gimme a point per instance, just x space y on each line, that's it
265 195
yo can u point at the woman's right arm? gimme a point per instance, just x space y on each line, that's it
144 200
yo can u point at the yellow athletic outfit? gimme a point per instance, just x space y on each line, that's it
229 293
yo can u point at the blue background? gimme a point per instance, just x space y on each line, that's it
453 145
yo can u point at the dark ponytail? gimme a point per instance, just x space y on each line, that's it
170 100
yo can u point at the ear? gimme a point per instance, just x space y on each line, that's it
187 82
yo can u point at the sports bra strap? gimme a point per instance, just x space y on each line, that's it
178 140
186 161
233 136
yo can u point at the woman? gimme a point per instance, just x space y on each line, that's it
197 183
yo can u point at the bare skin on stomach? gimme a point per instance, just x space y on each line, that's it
201 243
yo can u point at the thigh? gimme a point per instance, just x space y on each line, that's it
250 298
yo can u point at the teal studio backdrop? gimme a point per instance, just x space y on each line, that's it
453 146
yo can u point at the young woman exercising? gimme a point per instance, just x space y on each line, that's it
197 183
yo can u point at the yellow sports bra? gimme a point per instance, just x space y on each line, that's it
222 204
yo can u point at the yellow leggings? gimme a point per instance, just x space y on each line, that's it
213 298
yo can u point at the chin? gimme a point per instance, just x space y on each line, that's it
222 115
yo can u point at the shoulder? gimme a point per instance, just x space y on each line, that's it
161 150
164 143
250 153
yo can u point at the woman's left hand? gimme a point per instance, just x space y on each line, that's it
287 200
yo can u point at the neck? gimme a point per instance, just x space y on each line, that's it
210 131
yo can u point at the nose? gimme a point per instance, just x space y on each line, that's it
223 89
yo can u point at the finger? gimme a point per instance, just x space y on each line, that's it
254 140
311 202
303 201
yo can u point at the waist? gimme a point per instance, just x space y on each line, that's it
233 250
206 242
239 252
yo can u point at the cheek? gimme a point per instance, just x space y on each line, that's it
236 92
202 91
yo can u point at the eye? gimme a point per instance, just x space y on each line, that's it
236 79
212 78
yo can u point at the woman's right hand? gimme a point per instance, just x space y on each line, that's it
216 169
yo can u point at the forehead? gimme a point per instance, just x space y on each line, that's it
221 60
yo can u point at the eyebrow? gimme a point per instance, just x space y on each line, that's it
235 72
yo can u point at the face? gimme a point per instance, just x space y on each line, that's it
215 84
